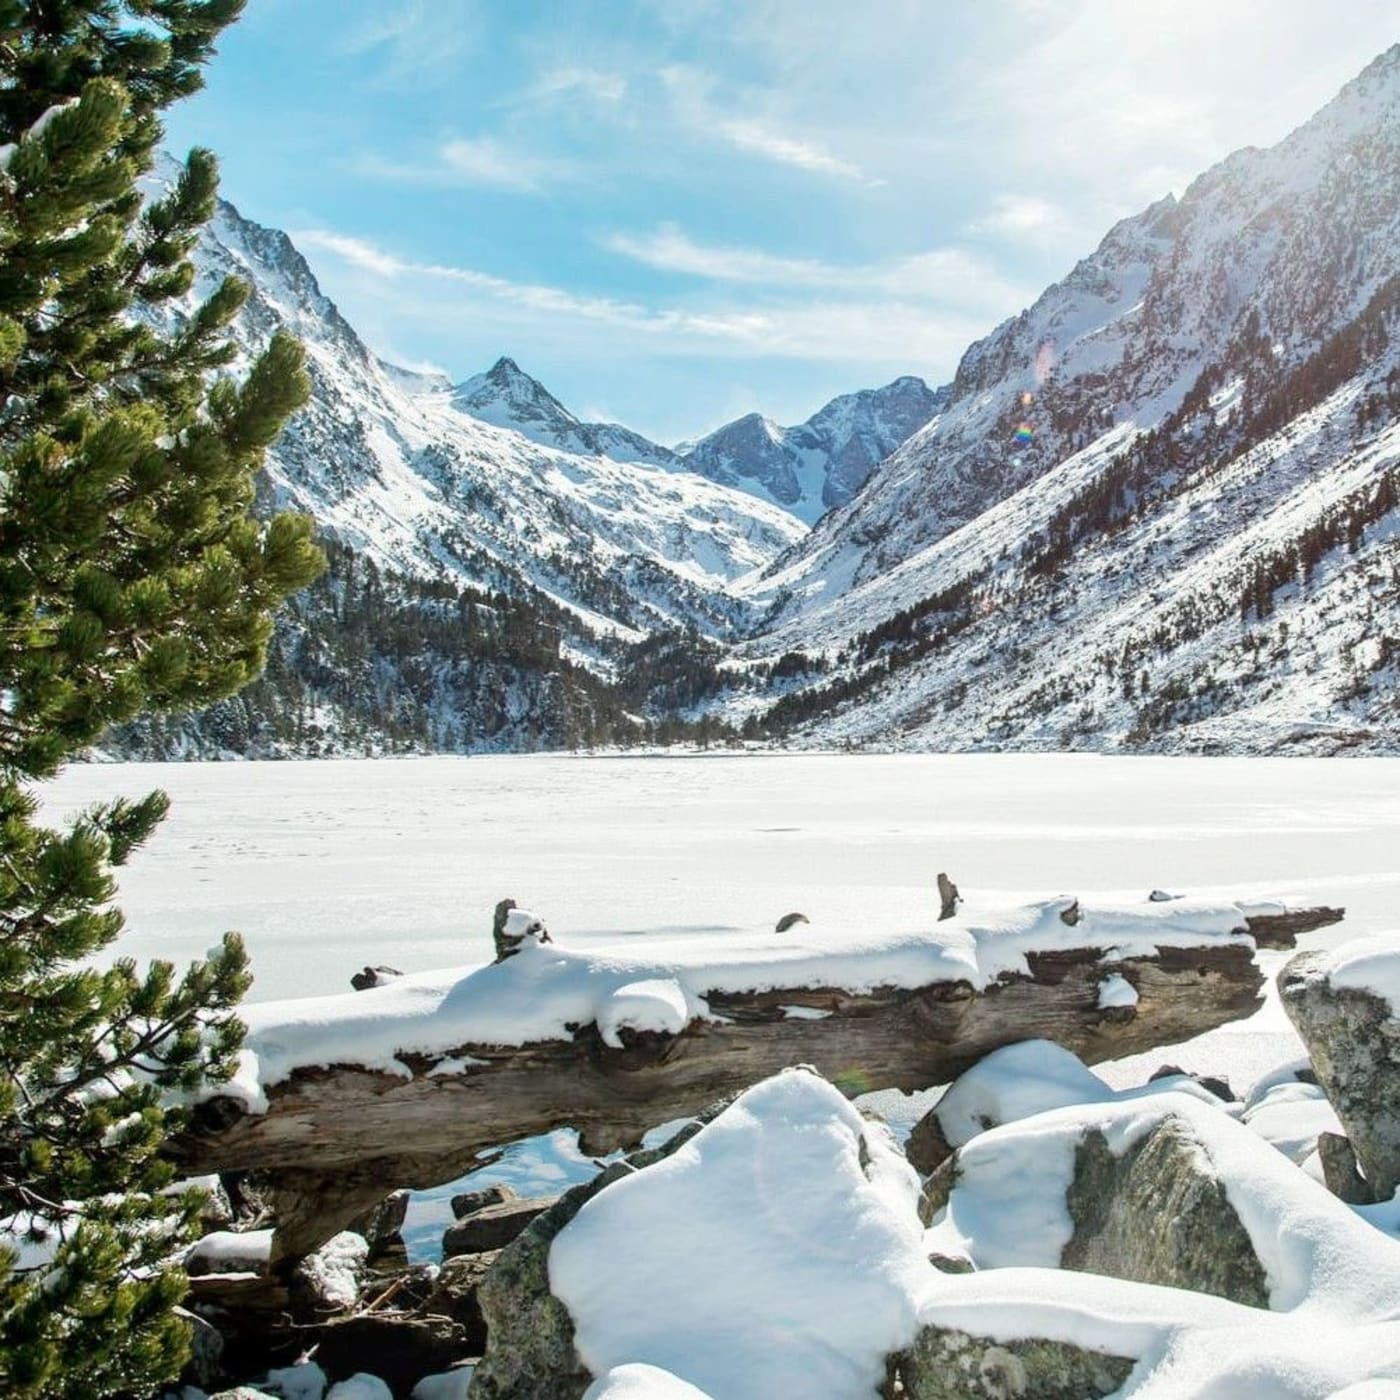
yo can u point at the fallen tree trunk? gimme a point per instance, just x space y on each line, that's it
335 1140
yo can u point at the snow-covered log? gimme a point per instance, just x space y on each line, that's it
343 1098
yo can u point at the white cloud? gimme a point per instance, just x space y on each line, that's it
485 161
948 276
890 323
1021 217
416 41
572 80
760 140
481 160
356 251
668 249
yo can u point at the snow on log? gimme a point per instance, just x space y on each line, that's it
342 1098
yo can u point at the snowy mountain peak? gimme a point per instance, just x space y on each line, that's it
824 461
507 397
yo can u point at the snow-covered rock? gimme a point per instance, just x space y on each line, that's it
1018 1082
1344 1004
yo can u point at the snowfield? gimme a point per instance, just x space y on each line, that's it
327 866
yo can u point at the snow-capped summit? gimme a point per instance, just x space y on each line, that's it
507 397
820 463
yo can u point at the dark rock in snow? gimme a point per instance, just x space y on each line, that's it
944 1364
467 1203
926 1147
398 1348
205 1365
455 1293
492 1227
1339 1170
368 977
1156 1214
1216 1084
381 1225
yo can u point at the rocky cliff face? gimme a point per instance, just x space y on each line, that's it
823 462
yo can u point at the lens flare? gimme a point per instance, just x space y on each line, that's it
1044 361
1024 433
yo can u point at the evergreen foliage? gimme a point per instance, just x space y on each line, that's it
132 577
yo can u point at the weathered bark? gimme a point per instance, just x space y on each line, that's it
1282 930
333 1141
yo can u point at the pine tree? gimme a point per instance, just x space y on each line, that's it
132 578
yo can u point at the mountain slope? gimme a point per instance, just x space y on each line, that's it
823 462
487 591
1286 244
390 465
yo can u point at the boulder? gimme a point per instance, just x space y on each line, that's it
1157 1214
1339 1170
492 1227
455 1293
399 1348
944 1364
1018 1081
1352 1033
205 1365
467 1203
329 1280
1142 1195
530 1335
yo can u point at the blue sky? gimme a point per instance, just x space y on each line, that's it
676 211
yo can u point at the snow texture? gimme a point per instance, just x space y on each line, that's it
641 1382
334 1270
1031 1077
760 1259
224 1251
544 991
1367 965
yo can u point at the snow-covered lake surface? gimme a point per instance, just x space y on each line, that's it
327 866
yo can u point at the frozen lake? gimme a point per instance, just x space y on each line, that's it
326 866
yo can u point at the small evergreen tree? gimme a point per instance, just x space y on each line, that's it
132 577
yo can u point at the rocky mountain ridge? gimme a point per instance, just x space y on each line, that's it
824 461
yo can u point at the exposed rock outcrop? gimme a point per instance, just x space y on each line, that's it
944 1364
492 1227
1353 1040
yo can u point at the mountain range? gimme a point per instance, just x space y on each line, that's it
1156 510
